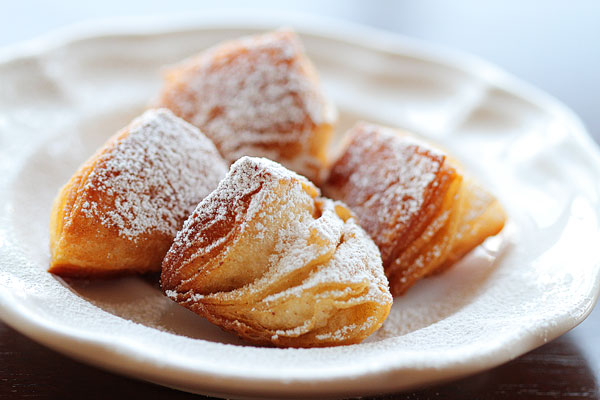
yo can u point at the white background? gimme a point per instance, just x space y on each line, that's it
553 44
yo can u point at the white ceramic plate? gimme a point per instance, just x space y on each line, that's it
62 96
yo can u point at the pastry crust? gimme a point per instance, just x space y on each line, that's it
481 216
121 210
413 201
256 96
266 258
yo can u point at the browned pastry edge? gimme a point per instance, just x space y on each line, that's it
440 233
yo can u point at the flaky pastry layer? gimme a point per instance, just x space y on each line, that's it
256 96
268 259
121 210
413 201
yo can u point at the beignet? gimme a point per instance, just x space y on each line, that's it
412 201
256 96
266 258
121 210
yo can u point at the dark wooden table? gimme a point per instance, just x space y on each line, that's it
567 368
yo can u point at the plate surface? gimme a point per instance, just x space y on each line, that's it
62 96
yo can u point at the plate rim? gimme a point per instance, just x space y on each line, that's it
381 41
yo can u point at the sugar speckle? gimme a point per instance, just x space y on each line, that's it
256 96
151 178
385 178
316 252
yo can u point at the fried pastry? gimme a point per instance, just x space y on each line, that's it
413 201
481 216
120 212
256 96
265 257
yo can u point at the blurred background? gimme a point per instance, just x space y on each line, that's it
552 44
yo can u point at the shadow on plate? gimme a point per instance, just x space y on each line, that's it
139 299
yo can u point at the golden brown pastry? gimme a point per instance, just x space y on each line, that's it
265 257
120 212
481 216
420 211
256 96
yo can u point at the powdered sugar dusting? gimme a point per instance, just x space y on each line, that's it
353 256
255 96
384 178
343 332
316 253
240 197
151 178
354 260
